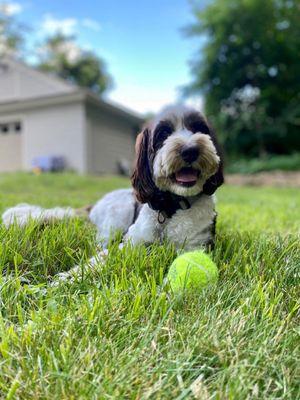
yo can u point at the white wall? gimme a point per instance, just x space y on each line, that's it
10 152
110 138
56 130
11 143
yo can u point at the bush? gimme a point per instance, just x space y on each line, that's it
271 163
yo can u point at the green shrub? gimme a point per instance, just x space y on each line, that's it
272 163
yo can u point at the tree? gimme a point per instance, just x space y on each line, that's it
11 33
248 72
61 55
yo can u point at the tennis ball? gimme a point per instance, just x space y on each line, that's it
192 271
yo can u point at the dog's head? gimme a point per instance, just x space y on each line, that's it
177 153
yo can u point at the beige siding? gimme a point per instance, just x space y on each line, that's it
110 140
56 130
10 152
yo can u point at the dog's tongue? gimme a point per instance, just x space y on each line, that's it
186 175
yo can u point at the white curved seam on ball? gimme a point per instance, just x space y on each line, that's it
198 266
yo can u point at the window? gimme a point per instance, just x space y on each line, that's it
18 127
4 128
14 127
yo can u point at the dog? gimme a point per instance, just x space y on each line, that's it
178 168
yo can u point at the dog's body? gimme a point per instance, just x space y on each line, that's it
177 170
119 210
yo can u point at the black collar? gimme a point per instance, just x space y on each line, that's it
167 204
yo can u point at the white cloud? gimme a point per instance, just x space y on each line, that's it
10 8
69 49
67 26
139 99
91 24
148 99
52 25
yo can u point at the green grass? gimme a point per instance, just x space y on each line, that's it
117 334
271 163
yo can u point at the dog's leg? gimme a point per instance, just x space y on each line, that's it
145 229
115 212
23 213
74 273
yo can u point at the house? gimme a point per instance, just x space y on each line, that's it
42 115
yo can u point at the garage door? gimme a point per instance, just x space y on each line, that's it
10 146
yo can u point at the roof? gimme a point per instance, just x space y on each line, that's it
54 92
67 98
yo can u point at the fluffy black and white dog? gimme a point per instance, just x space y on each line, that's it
178 168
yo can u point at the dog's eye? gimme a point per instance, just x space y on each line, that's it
199 126
162 132
194 123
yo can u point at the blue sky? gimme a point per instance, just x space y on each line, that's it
142 42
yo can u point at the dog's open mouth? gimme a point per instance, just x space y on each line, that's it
186 176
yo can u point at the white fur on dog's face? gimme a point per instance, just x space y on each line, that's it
172 126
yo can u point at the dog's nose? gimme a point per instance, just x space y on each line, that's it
189 153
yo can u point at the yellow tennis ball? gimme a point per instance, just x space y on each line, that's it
192 271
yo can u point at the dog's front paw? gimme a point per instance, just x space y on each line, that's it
78 272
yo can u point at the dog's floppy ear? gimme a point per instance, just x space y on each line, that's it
141 179
212 184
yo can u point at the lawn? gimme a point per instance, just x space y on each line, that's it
117 334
